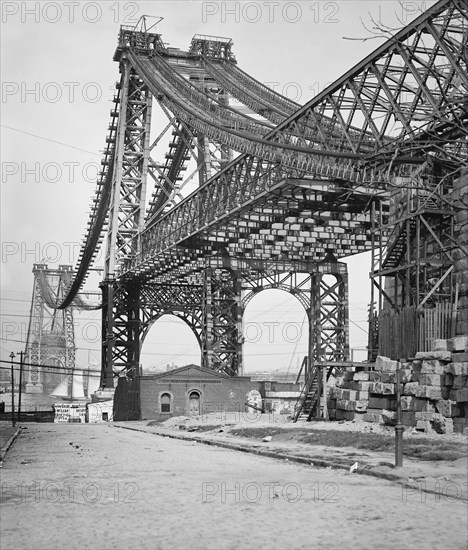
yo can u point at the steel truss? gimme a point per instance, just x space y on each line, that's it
211 310
416 267
214 311
413 268
50 345
134 310
322 290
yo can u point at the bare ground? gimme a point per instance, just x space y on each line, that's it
97 486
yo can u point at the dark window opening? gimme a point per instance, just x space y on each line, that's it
165 403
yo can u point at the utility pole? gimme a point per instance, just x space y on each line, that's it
20 385
13 423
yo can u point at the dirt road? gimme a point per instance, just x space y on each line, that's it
98 487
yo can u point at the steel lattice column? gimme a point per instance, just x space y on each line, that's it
126 214
126 220
221 342
328 320
126 343
107 334
121 331
133 323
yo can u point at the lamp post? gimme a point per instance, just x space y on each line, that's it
13 423
21 353
399 428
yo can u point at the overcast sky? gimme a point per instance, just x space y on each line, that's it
57 84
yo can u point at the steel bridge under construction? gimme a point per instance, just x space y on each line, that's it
284 192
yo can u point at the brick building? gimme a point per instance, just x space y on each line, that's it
190 391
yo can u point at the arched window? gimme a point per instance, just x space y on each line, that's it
165 403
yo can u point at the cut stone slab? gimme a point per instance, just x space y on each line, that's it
460 382
406 375
382 403
460 425
416 365
344 415
438 355
407 403
424 405
458 343
460 396
448 381
360 386
429 392
361 376
382 389
432 366
345 405
360 406
408 418
385 364
410 388
424 415
432 379
439 345
447 408
372 417
388 377
457 369
362 395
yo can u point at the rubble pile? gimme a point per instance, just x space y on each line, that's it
434 390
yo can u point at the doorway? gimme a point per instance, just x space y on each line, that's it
194 403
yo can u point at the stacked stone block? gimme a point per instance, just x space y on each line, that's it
434 390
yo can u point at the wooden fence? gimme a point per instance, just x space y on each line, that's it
403 333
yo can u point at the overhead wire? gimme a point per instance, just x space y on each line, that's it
50 140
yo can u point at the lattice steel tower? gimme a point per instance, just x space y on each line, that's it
50 345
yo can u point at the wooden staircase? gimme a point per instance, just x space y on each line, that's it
307 402
405 232
307 406
397 249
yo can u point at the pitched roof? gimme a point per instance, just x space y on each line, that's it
171 373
